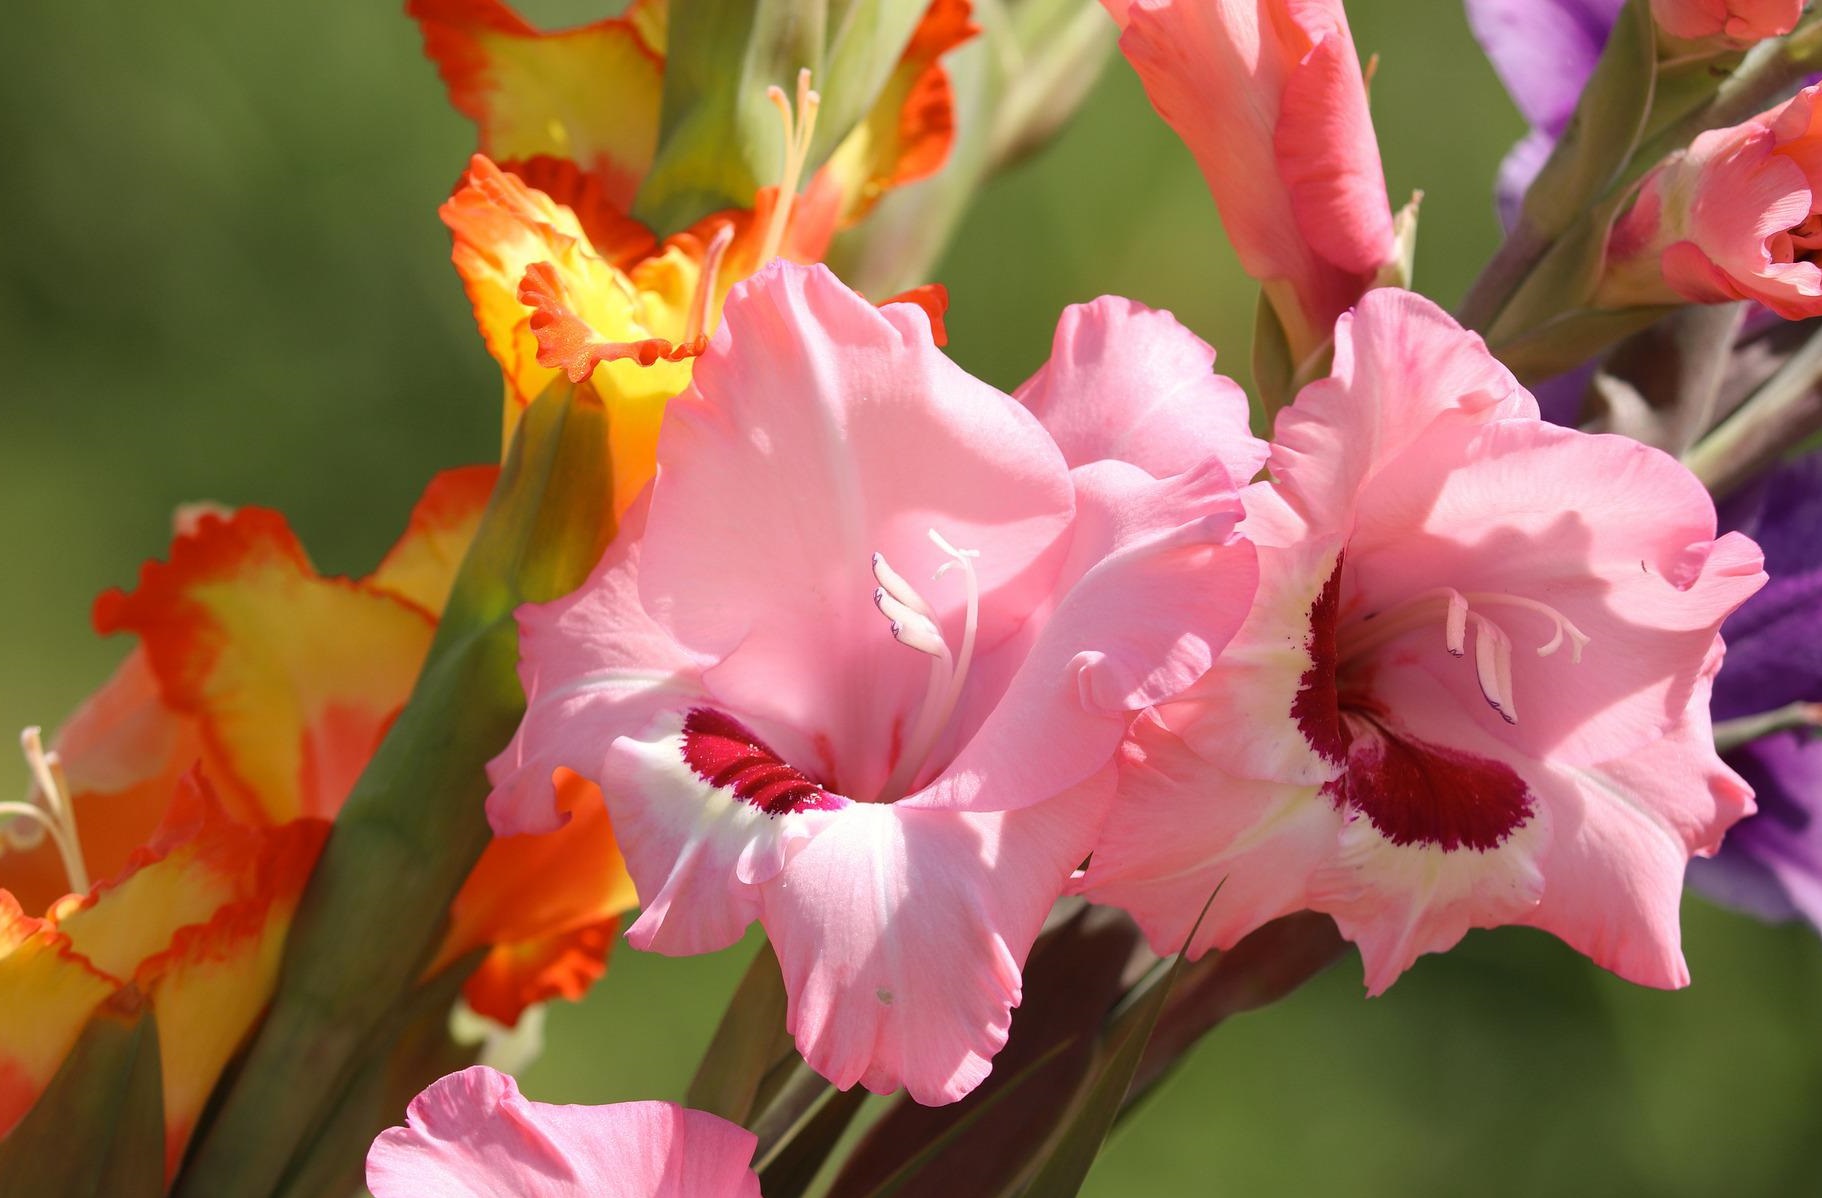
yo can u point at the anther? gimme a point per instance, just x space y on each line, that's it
47 810
893 584
914 624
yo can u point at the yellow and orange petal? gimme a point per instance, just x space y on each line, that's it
515 977
210 985
503 228
933 298
196 923
911 127
291 678
198 861
589 94
47 993
546 904
421 566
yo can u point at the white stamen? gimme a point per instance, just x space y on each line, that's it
1456 632
1502 671
920 636
47 809
894 585
900 601
1493 666
798 127
1492 644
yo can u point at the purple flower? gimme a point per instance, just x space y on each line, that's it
1771 863
1544 52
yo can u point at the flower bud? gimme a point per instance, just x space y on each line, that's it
1736 20
1733 217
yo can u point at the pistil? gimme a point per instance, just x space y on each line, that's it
798 127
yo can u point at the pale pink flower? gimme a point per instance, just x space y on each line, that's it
1269 97
859 665
1736 216
1474 687
1736 20
473 1135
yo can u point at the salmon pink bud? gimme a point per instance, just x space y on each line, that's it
1270 99
1736 216
1736 20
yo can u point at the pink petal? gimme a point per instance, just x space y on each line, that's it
1400 363
1615 863
1180 828
1128 383
1156 583
698 841
472 1135
1616 536
1240 715
902 930
1413 868
818 431
594 666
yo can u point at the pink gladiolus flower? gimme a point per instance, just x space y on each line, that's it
1268 96
1473 690
1737 20
1738 215
473 1135
860 662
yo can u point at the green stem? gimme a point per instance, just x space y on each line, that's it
1780 414
1732 734
1771 70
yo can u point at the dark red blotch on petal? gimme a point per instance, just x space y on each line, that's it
1317 707
726 754
1425 794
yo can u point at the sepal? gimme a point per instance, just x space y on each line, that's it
98 1129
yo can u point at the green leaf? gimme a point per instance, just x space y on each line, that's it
1570 339
1079 1138
749 1041
719 138
1273 366
1269 963
97 1131
414 824
1606 129
936 1147
797 1157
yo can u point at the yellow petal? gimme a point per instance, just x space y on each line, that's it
47 992
291 677
589 94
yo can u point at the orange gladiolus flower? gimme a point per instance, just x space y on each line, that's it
200 782
562 279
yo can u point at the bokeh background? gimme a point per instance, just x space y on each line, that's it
222 277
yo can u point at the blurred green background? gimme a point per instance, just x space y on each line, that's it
222 277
